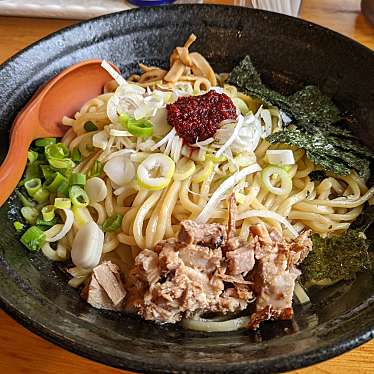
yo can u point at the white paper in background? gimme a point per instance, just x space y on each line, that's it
72 9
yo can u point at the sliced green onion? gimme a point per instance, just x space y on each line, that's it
63 188
78 178
33 170
285 180
96 170
24 200
76 155
33 238
59 151
90 126
42 222
141 128
112 223
47 171
52 185
62 203
18 225
48 212
123 119
33 185
65 163
78 196
30 214
41 196
32 156
45 141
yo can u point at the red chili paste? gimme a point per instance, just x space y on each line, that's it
199 117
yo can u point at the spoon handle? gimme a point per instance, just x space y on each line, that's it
11 170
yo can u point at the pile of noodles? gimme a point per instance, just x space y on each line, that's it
150 216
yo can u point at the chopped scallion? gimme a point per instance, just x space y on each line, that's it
140 128
43 142
41 196
90 126
33 170
24 200
47 171
48 212
96 170
123 119
76 155
63 188
19 226
78 196
112 223
42 222
59 151
57 163
33 238
32 156
53 184
33 185
30 214
78 178
62 203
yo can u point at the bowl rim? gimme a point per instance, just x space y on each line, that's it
280 363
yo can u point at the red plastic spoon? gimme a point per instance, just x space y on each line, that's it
64 95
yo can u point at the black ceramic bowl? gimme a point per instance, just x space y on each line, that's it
290 53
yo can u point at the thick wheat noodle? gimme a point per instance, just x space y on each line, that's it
124 195
92 104
359 181
68 137
152 224
286 206
108 202
320 209
356 192
110 245
269 201
101 212
121 209
258 206
309 216
85 147
100 119
305 172
345 202
107 149
204 190
166 209
126 239
76 141
150 216
141 214
128 219
88 165
347 216
185 200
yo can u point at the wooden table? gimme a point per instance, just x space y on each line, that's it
23 352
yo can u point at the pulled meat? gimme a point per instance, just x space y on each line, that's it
105 289
275 273
209 269
191 275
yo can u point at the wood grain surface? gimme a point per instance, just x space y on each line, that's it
23 352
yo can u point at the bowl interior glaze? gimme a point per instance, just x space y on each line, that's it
290 53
